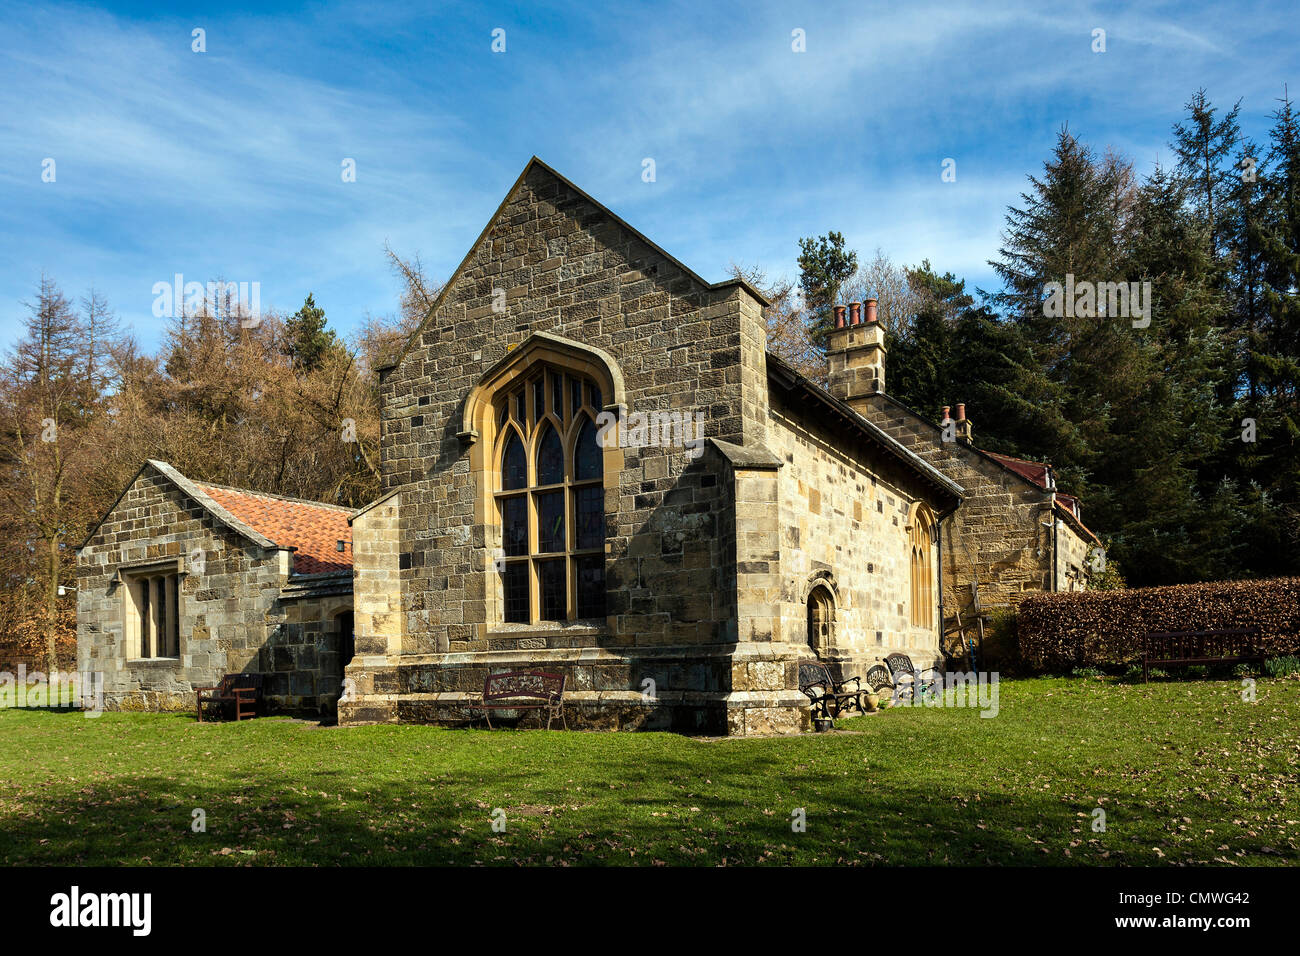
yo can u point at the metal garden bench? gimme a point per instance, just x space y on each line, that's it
525 690
826 693
904 678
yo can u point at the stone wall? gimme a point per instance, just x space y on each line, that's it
568 268
1001 534
843 523
232 618
302 659
1072 555
223 607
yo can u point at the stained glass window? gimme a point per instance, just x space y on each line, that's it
587 460
589 517
553 598
514 580
550 521
514 526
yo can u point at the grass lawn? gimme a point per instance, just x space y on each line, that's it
1185 771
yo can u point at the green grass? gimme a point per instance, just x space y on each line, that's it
1186 772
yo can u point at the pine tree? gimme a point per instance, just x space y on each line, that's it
1158 462
957 351
1205 147
1070 224
922 358
1275 352
824 266
307 339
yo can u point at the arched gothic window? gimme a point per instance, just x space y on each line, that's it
921 539
550 498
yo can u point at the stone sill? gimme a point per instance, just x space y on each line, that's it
138 661
742 651
587 698
548 629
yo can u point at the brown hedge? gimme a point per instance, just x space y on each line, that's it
1100 628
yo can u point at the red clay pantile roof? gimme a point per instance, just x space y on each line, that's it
314 529
1037 473
1033 470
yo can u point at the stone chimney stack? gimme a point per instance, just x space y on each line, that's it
963 424
855 355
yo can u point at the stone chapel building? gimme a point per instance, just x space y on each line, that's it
591 465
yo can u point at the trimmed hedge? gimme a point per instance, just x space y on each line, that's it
1089 628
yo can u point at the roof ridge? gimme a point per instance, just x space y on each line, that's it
272 496
1027 461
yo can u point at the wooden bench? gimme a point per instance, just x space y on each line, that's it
826 693
525 690
240 694
1238 645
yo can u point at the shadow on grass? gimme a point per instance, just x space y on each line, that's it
402 795
564 796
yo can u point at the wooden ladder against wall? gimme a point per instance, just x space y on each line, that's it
960 633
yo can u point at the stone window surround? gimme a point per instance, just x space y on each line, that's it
537 424
921 527
126 570
480 431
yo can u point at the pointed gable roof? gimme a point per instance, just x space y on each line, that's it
310 529
536 164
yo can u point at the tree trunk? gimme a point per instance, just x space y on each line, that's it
51 610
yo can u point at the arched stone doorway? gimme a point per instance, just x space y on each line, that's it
821 620
346 637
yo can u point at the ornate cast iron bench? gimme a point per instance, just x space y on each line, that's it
1186 648
878 678
525 690
827 693
240 694
904 678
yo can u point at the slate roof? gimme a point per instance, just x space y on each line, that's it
786 376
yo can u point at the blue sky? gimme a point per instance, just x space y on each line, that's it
227 163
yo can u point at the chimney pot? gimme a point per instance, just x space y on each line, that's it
855 313
871 311
946 417
839 316
961 411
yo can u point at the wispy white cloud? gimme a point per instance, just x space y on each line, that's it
227 163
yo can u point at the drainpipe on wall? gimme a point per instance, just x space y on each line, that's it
1051 514
939 562
939 521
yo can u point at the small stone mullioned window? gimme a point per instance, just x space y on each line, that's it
151 614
